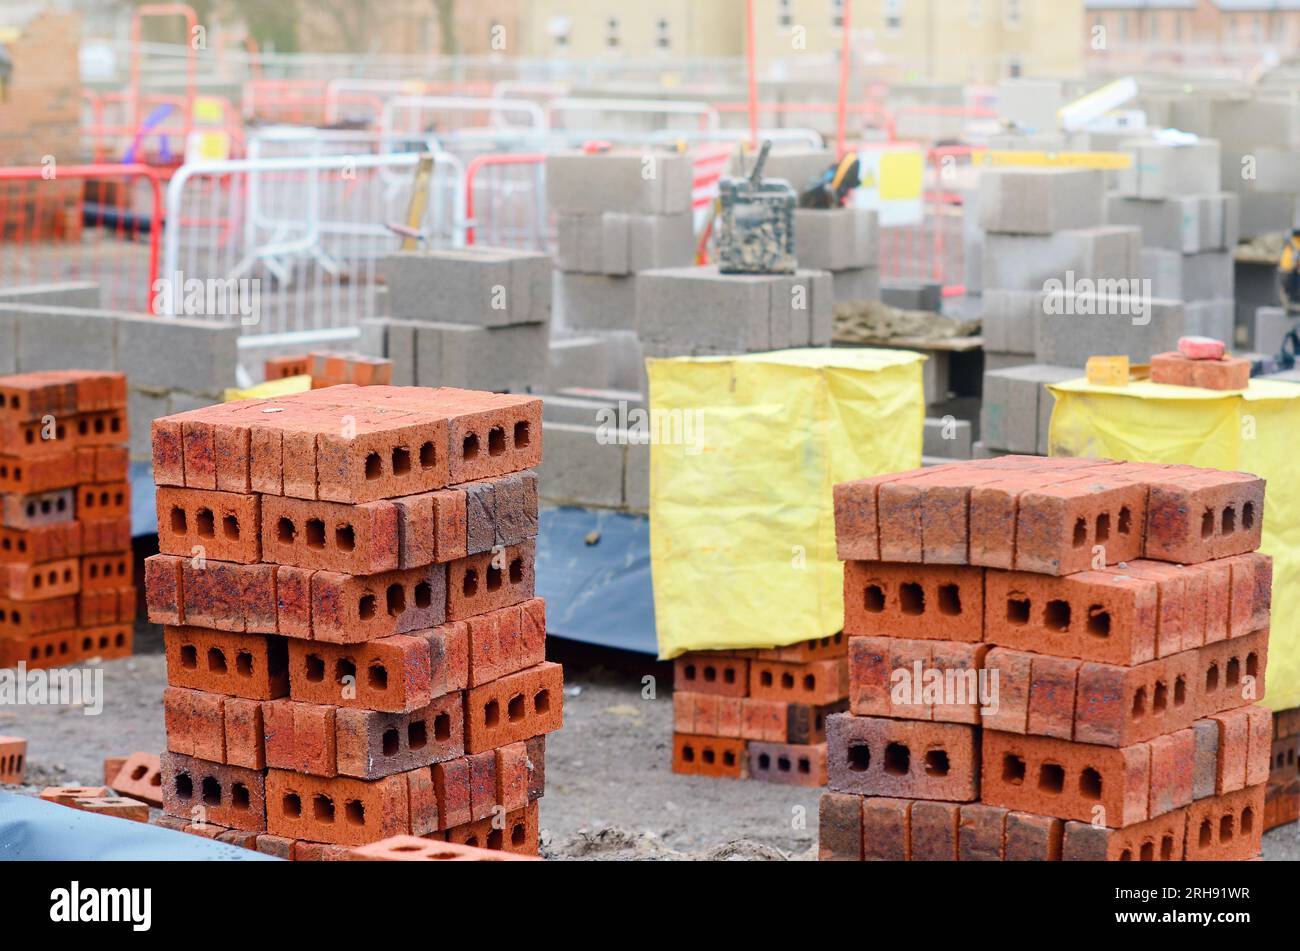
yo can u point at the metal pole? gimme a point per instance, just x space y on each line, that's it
753 76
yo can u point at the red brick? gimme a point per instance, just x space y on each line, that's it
1232 673
788 764
451 781
300 737
1173 763
350 539
818 682
104 500
66 795
516 707
886 830
821 648
536 747
714 756
1226 828
482 784
1156 840
54 579
514 834
934 831
245 733
490 581
20 620
1031 838
389 456
227 596
46 543
873 756
1052 688
254 666
338 811
40 473
504 641
372 744
229 796
930 602
1119 706
412 849
839 828
168 452
222 525
1201 514
13 760
710 672
391 674
38 509
759 719
981 833
106 572
114 806
348 609
1058 527
512 775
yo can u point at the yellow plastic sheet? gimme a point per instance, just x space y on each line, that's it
270 389
742 533
1256 430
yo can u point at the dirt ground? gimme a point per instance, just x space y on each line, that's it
609 791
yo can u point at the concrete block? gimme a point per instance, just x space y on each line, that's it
1270 213
580 361
1008 320
482 358
1072 327
59 338
1265 169
8 343
994 360
659 241
1272 324
972 236
856 285
635 182
578 243
595 302
1161 171
1017 407
1212 318
617 244
80 294
836 239
142 408
1188 277
198 355
482 287
626 361
1028 262
1041 200
575 410
799 167
1030 104
636 477
1189 224
912 295
947 438
373 341
577 469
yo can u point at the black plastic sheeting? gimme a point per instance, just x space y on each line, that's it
597 592
34 830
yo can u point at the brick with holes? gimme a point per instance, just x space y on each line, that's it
105 572
490 581
708 672
66 795
1232 673
929 602
20 620
338 811
228 796
1161 839
1119 706
515 707
1227 828
105 500
788 764
223 525
1200 514
818 682
517 834
405 848
46 473
348 539
47 543
719 757
391 674
874 756
13 760
349 609
372 744
37 510
53 579
116 807
253 666
1060 529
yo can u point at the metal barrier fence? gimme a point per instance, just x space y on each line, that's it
99 222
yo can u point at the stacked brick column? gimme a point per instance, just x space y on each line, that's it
354 650
1051 659
1282 799
66 580
758 714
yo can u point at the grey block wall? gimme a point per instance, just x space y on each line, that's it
594 302
1085 325
1017 408
618 244
482 287
1041 201
1188 224
633 182
1028 262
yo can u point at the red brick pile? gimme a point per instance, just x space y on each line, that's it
1124 612
66 577
758 714
1282 799
353 646
332 369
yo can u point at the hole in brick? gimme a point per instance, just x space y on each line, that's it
377 676
1226 824
1206 835
315 533
428 456
729 675
517 571
391 742
515 708
1017 610
1229 521
179 525
1090 783
542 701
873 598
417 735
688 672
911 598
1103 527
184 786
374 467
1248 516
709 755
1160 698
442 726
401 461
322 808
469 448
710 674
1098 624
315 668
1167 848
285 531
859 757
522 435
936 763
688 754
493 578
764 762
765 678
898 759
1247 821
205 524
1233 676
1126 855
423 594
1252 665
189 656
345 539
216 660
805 765
396 598
1080 532
1212 678
345 671
809 682
491 713
1139 703
1056 616
1125 521
230 528
354 812
470 584
211 791
1147 853
137 774
1051 778
783 764
244 664
495 839
787 681
239 797
366 607
1207 523
1013 769
949 600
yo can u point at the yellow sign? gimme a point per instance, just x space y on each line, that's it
1105 161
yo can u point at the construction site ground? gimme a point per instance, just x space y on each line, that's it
609 791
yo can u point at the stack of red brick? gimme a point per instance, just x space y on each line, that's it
1282 799
332 369
66 580
758 714
1051 659
353 646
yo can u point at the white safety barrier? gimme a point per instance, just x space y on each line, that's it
636 114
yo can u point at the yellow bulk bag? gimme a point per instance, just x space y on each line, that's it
1256 430
742 532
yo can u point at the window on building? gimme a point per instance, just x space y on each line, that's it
1178 26
974 11
1012 13
663 36
893 16
784 13
1123 26
1015 67
612 38
1259 29
837 14
558 28
1153 28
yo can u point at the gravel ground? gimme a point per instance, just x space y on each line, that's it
609 791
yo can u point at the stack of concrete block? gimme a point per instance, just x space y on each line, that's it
1016 412
1011 699
475 318
66 569
845 242
758 714
1189 227
354 648
618 213
1272 325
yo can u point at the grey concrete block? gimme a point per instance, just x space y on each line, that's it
8 343
197 355
1263 214
947 438
1272 324
995 360
1162 171
61 338
636 477
575 410
595 302
797 166
1017 407
659 241
1189 224
626 360
618 244
836 239
912 295
1030 104
373 341
482 358
1188 277
1008 320
81 294
1072 327
580 361
142 408
643 183
1028 262
1274 170
578 243
577 469
1041 200
856 285
1212 318
483 287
